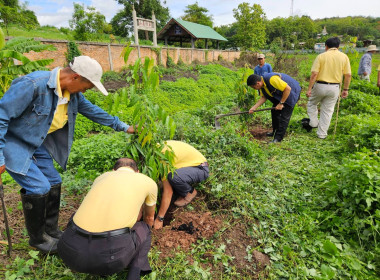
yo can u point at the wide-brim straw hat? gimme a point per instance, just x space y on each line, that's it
372 48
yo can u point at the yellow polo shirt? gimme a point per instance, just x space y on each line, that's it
185 154
276 82
60 114
115 200
331 66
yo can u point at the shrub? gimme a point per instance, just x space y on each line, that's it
72 51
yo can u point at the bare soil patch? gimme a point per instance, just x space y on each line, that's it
114 85
182 229
260 133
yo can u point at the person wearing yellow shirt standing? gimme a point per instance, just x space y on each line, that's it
104 236
284 92
325 85
191 168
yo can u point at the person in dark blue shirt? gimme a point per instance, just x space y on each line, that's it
284 92
262 68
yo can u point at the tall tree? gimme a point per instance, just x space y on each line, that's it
122 22
86 22
11 12
197 14
250 26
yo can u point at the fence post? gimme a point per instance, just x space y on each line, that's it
110 56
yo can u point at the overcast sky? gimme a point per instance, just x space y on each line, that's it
59 12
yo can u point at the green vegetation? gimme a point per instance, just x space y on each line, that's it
15 49
312 205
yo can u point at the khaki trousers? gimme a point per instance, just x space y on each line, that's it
326 96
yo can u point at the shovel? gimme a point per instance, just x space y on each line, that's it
217 117
5 218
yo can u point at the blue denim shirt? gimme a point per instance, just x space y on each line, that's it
365 64
26 112
267 68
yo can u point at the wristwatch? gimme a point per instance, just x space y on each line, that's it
282 103
161 219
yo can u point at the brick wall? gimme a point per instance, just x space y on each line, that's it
109 55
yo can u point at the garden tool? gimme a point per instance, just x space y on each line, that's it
5 218
217 117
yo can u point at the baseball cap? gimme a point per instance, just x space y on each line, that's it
90 69
261 55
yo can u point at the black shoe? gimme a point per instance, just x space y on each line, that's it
34 207
52 212
275 141
270 134
305 124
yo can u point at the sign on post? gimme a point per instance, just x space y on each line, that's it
144 24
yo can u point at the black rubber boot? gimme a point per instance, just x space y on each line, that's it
34 207
52 212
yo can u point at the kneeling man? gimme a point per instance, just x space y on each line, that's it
191 168
103 236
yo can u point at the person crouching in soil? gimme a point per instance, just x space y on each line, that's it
191 168
284 92
105 235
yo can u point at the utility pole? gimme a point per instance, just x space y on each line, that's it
291 8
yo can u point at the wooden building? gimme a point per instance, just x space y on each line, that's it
178 30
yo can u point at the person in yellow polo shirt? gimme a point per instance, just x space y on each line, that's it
325 85
191 168
104 236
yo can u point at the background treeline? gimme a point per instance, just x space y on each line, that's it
251 30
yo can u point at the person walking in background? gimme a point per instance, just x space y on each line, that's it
37 120
262 68
105 235
191 168
284 92
365 65
324 87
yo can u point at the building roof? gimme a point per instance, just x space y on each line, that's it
195 30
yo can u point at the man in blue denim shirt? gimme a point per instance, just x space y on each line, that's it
37 119
262 68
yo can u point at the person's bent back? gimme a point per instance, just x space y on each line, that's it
104 236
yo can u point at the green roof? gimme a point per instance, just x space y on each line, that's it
200 31
195 30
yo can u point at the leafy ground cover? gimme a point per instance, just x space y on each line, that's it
304 209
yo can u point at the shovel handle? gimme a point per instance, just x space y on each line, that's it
244 112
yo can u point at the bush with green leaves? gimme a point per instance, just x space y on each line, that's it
72 51
353 191
14 50
364 87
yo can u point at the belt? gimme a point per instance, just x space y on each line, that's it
326 83
204 164
104 234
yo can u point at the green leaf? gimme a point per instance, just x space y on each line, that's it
327 271
330 248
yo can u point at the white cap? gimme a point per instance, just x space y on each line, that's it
260 55
90 69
